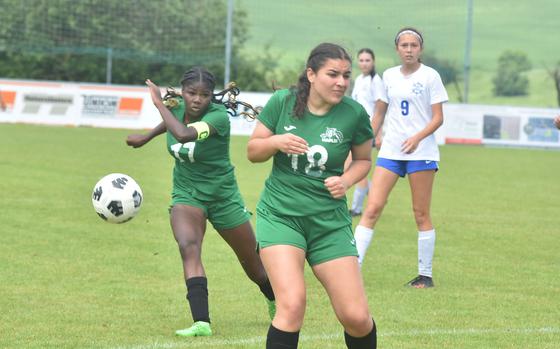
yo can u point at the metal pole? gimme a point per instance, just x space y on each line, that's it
109 72
468 41
229 26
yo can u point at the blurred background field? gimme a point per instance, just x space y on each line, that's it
70 280
124 42
291 28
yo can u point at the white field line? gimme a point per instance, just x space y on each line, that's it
207 342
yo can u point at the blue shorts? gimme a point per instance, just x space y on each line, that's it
404 167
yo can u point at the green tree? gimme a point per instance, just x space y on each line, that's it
555 75
448 71
262 73
509 79
70 40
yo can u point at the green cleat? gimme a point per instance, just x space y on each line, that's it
271 308
198 329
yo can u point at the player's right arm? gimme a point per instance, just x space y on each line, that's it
137 140
263 144
182 133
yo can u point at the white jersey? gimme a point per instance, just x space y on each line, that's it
409 111
366 91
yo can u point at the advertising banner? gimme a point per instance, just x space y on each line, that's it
117 106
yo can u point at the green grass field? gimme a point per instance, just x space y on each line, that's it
292 28
70 280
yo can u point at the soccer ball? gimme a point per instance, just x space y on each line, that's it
117 198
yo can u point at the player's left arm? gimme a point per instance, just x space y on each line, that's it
358 169
410 145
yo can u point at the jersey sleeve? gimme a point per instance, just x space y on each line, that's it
217 117
383 89
377 87
438 94
271 111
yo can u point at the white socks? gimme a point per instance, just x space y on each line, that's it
363 236
426 245
358 198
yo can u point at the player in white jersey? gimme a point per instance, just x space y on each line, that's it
367 88
368 84
410 110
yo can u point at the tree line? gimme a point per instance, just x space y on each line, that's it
68 40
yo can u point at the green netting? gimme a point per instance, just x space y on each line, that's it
164 31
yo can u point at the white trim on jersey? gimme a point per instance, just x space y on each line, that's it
366 91
410 99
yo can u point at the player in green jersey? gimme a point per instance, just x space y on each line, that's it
204 187
302 214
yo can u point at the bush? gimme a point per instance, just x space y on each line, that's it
509 79
448 71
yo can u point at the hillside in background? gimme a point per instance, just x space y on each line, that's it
291 28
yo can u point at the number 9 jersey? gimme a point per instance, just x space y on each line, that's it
410 99
296 186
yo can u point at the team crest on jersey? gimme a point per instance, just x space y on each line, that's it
417 88
332 135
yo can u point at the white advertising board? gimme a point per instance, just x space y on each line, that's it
115 106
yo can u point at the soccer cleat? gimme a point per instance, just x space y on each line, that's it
271 308
198 329
421 281
354 213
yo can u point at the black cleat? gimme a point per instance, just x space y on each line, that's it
354 213
421 281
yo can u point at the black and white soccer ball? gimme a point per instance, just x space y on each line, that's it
117 198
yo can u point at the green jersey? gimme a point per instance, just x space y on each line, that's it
203 167
296 185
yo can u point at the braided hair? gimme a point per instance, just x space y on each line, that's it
317 58
227 96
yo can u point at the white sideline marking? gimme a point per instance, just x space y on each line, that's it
322 337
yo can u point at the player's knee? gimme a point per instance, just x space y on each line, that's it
356 322
188 246
373 211
291 309
422 216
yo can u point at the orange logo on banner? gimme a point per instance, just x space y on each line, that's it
130 105
9 97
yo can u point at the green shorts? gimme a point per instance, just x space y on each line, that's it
323 236
225 213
